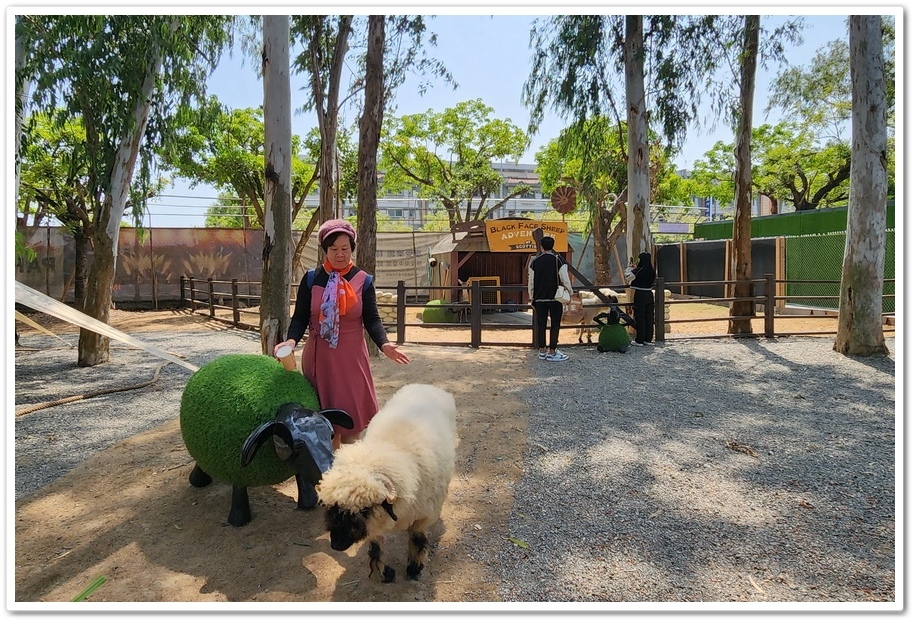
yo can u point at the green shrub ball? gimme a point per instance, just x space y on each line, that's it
227 399
614 337
438 314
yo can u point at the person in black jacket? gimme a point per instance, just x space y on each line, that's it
546 272
641 279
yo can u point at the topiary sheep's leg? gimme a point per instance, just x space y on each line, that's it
375 563
198 477
417 553
308 497
240 512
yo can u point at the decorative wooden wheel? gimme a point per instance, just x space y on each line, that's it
563 199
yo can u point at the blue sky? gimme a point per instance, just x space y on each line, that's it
490 59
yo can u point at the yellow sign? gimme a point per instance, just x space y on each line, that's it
510 235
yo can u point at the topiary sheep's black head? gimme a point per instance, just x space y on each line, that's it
302 438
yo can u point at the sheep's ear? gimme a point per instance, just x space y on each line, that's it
338 416
389 487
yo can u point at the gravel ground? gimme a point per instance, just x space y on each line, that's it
707 470
49 445
694 471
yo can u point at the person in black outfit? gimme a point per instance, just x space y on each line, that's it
546 272
642 280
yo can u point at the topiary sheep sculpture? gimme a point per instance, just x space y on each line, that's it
395 478
613 336
234 403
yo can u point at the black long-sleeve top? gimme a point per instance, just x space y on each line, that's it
644 274
372 321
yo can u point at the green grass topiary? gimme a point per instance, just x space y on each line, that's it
614 337
438 314
227 399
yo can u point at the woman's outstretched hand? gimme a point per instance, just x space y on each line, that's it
394 354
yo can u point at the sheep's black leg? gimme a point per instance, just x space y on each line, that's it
417 553
308 497
198 477
375 563
240 512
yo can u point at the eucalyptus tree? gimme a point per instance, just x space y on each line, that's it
22 85
124 77
861 286
324 40
742 308
580 63
278 141
448 157
370 131
395 45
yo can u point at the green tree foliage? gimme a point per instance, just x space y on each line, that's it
225 148
448 157
815 101
787 165
127 79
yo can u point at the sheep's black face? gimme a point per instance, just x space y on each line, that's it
345 526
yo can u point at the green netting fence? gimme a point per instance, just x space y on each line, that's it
820 257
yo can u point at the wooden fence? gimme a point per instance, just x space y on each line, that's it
223 301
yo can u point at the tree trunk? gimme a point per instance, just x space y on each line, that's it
741 235
326 104
861 285
638 236
370 131
93 348
278 235
22 93
80 266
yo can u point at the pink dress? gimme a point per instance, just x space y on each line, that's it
342 376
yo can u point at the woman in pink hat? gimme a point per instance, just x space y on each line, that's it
337 302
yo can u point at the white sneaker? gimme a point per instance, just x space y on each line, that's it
636 344
542 355
557 356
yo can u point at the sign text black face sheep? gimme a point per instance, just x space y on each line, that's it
232 405
395 478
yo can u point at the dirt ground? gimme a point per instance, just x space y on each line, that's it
130 516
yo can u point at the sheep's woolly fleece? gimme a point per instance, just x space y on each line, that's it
407 456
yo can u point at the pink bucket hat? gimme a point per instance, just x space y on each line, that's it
335 226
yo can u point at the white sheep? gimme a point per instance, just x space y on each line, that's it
394 478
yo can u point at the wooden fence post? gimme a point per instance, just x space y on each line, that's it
770 307
660 309
181 289
401 312
193 298
235 302
210 296
476 315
